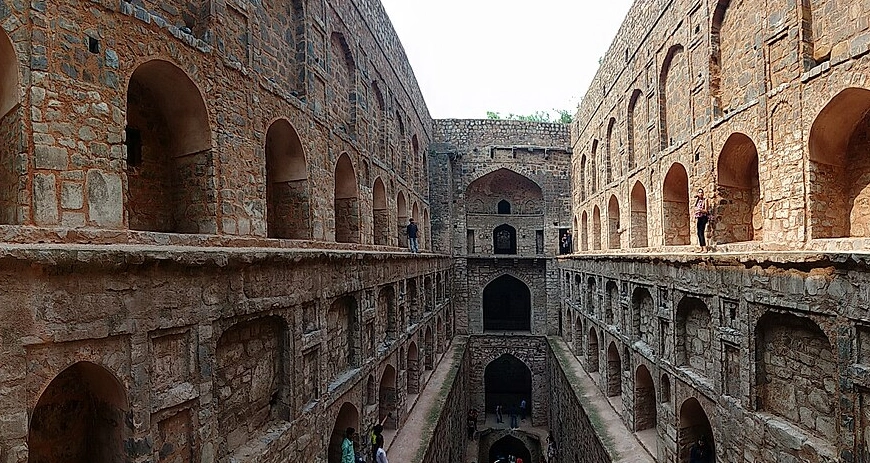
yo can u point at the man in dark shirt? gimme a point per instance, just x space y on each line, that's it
412 235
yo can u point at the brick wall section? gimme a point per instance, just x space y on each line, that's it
728 334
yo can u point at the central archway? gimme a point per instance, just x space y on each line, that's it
508 446
507 382
507 305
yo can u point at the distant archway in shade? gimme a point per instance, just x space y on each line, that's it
507 382
348 417
346 205
504 239
388 399
81 417
694 426
509 445
507 305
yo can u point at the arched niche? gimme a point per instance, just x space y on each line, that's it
739 205
504 239
644 400
484 194
596 228
413 364
613 227
168 141
380 213
614 371
346 204
402 219
287 193
675 206
388 399
638 215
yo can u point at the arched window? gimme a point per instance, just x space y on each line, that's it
504 239
287 193
504 207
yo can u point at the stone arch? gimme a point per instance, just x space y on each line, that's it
583 178
251 374
507 305
665 394
643 316
388 398
504 239
413 381
387 311
614 371
675 206
839 192
694 426
522 193
415 212
426 242
342 73
11 116
379 122
673 97
507 446
168 140
342 331
592 351
784 384
287 192
584 231
694 342
596 228
346 202
613 227
80 417
439 335
634 131
590 295
380 213
644 399
507 381
504 207
371 391
638 218
593 171
739 205
609 152
348 417
612 312
402 219
429 349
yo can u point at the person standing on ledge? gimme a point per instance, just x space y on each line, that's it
702 214
412 235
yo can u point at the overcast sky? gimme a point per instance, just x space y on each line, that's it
474 56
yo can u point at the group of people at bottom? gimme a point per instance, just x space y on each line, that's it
349 453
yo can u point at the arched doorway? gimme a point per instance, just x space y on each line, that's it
638 224
613 227
168 140
596 228
81 417
348 417
644 399
346 205
504 239
287 213
675 206
507 305
694 427
839 197
387 399
508 446
507 382
413 381
614 371
592 351
380 213
739 205
402 219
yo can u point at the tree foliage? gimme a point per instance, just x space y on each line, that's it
563 116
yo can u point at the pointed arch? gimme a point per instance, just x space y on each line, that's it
593 170
388 398
507 381
644 400
596 228
673 97
694 427
635 132
402 219
168 140
485 194
584 231
638 217
582 183
81 416
611 162
613 225
348 417
380 213
346 205
342 73
592 351
504 239
614 371
413 381
675 206
507 305
287 190
739 205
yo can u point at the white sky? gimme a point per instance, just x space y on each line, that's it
474 56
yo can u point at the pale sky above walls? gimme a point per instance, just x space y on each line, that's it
509 56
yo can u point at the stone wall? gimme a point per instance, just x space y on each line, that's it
756 353
448 436
197 346
773 95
